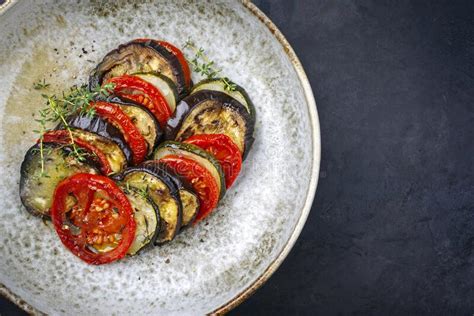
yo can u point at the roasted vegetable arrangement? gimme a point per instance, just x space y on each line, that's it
139 153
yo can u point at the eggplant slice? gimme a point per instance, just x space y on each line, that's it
197 154
147 219
189 198
37 190
148 177
99 126
143 120
212 112
139 56
219 84
111 150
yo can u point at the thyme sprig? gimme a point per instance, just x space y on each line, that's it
76 100
39 85
204 66
201 63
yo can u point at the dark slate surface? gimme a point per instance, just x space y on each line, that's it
391 231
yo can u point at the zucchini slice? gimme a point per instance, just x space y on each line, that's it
144 121
189 199
36 190
147 219
212 112
99 126
148 177
197 154
139 56
164 85
219 84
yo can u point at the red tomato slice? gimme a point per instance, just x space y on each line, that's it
63 137
182 60
178 53
138 90
93 218
136 141
200 178
225 151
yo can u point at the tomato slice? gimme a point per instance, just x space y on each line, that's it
201 180
142 92
136 141
178 53
63 137
225 151
182 60
93 218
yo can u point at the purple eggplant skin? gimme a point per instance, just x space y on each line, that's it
154 169
181 184
119 54
156 124
99 126
188 104
32 184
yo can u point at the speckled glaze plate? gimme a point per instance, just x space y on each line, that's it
213 266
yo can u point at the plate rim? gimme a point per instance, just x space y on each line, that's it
310 193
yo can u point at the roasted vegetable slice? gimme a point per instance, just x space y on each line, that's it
114 114
155 182
144 121
164 85
212 112
99 126
37 187
144 93
182 75
108 153
228 87
197 154
224 150
139 56
93 218
200 178
182 60
189 198
147 219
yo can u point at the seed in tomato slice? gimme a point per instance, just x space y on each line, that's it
93 218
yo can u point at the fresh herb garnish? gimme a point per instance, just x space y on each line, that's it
57 109
228 85
206 67
201 62
40 85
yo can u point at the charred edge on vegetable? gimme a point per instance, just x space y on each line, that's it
183 184
151 241
101 127
152 168
195 150
238 88
175 64
27 174
186 106
97 75
155 123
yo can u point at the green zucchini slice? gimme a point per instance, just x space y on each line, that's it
147 219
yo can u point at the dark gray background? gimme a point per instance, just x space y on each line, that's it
392 226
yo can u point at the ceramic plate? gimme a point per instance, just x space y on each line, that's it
216 264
